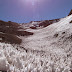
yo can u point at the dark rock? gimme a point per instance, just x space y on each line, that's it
63 32
3 71
33 27
70 12
56 35
70 21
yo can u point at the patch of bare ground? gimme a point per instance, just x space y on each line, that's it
9 32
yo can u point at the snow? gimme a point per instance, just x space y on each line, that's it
14 60
46 52
35 23
43 38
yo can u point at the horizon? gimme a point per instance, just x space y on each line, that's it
24 11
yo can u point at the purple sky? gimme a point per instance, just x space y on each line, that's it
23 11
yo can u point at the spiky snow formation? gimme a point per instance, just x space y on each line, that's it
18 60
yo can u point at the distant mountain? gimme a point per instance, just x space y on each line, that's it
39 24
45 23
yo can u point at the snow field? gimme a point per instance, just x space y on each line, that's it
49 50
13 60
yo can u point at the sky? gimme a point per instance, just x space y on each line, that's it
23 11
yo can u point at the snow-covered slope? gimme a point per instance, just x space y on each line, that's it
55 39
47 50
44 37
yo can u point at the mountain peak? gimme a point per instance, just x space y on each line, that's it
70 12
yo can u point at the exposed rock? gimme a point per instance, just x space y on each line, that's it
9 32
70 12
48 22
71 21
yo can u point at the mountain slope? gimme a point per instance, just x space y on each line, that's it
54 42
48 33
9 32
48 50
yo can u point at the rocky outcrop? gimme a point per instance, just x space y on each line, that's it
9 32
48 22
70 12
